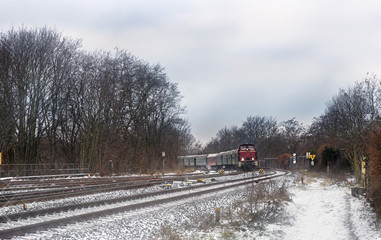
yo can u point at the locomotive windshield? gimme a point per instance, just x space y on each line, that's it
246 147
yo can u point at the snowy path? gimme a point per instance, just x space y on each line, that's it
320 214
320 210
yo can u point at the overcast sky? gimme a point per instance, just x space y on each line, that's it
231 59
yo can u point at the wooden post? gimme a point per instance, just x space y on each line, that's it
110 167
218 213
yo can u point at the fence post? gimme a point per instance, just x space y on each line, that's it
110 167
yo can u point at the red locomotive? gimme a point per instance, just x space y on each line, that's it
247 156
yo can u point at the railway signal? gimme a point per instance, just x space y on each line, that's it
312 159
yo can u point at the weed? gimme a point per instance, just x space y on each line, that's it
260 204
167 232
228 234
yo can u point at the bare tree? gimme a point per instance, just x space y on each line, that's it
345 123
292 132
60 104
31 63
262 131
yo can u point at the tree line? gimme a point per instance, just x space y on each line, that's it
345 136
270 137
59 103
345 125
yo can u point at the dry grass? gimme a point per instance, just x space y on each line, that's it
261 203
168 233
333 178
184 170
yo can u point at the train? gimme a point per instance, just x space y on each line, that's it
244 157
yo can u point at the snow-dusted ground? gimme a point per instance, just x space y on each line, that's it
320 209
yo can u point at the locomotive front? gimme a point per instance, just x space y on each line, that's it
247 156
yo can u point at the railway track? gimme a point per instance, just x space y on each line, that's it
86 211
55 189
11 184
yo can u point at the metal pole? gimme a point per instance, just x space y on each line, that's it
163 163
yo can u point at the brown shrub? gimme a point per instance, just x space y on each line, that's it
284 160
374 167
319 157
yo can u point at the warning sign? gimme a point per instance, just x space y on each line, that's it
312 157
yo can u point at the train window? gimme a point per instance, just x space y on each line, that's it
243 148
251 147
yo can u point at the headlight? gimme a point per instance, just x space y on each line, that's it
242 159
252 159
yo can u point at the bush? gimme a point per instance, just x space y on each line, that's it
284 160
263 203
259 204
374 168
167 232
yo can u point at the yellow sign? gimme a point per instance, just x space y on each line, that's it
312 157
0 158
363 169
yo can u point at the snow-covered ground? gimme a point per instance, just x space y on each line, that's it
319 209
322 209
